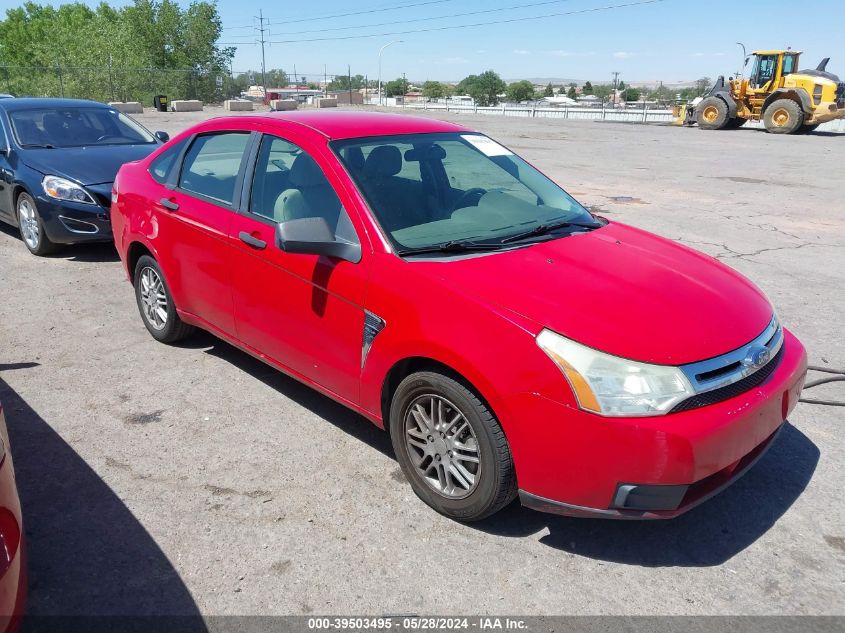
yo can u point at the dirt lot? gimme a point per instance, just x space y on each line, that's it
194 479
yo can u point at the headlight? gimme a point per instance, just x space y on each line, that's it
62 189
613 386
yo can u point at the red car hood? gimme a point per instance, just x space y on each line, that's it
620 290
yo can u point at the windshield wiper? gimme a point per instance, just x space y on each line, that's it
453 246
39 145
543 229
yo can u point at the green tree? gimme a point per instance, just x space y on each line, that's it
484 88
395 88
520 91
572 94
603 91
550 92
588 88
702 85
344 82
434 90
132 52
631 94
620 85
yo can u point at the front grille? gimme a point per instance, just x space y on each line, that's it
840 94
730 391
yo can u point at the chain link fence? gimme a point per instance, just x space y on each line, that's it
111 83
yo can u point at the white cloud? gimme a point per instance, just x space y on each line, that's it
718 54
480 52
521 51
697 55
623 55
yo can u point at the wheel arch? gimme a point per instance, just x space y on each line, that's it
136 250
729 101
795 94
403 368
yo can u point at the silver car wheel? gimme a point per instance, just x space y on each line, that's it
442 446
28 220
153 298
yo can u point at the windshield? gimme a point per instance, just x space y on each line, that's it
433 189
74 127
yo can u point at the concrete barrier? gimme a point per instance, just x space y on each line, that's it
327 103
238 105
190 105
283 104
129 107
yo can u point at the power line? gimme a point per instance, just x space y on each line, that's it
466 26
429 19
350 13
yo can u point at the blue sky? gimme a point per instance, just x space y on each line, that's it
670 40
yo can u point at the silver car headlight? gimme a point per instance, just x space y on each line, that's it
613 386
64 189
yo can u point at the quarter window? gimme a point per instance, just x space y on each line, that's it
160 167
212 164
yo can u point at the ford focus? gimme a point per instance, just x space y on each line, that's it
512 343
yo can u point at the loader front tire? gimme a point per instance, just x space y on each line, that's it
783 116
712 114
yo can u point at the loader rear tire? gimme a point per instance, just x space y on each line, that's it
712 114
783 116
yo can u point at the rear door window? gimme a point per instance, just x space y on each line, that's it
212 164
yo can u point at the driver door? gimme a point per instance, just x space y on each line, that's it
304 312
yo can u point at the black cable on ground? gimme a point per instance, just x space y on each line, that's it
839 376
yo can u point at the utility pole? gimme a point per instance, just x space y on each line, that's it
261 29
349 79
616 74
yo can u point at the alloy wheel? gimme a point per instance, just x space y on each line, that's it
153 298
442 446
28 221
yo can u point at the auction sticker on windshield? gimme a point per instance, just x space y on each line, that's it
486 145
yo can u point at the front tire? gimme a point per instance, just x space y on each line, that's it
712 114
32 227
783 116
451 447
156 304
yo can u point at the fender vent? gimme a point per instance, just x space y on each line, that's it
372 326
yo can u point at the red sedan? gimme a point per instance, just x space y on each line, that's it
12 566
425 276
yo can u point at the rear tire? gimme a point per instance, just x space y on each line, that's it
32 227
450 447
712 114
783 116
158 312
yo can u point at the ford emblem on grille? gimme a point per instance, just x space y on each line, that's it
757 357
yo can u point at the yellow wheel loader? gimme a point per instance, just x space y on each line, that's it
787 100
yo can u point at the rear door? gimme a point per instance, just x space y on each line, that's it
195 208
303 311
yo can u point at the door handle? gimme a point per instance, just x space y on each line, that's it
169 204
252 241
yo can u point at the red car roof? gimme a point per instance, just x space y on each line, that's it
342 124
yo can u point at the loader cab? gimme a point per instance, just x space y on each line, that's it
769 67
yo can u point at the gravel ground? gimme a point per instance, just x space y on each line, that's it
194 479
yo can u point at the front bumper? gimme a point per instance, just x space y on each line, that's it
579 464
72 223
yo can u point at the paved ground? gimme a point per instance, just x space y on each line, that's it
195 479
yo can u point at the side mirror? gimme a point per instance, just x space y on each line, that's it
162 136
312 236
